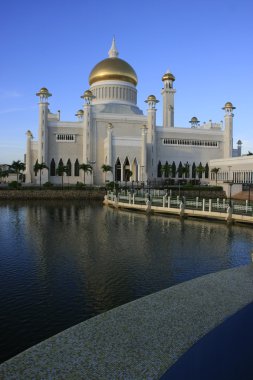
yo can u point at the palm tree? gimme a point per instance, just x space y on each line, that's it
215 170
166 169
186 170
106 168
61 169
200 169
87 168
38 167
18 167
174 169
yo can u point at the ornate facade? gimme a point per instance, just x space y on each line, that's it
111 129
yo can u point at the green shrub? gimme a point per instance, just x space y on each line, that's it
80 185
14 185
48 185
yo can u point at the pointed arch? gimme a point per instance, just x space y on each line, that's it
207 170
180 170
193 170
118 170
76 168
52 168
36 171
69 166
174 169
126 170
159 170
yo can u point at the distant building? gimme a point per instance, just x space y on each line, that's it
111 129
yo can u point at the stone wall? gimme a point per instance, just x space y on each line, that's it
52 194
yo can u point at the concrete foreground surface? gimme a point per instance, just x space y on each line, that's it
141 339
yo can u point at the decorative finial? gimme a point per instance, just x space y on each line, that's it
113 52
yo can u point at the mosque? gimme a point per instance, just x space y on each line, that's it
112 130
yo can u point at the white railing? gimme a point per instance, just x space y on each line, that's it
220 205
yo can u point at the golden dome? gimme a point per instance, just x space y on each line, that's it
87 94
79 113
228 105
43 91
113 68
151 98
194 119
168 76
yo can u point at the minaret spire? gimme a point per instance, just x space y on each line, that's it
113 52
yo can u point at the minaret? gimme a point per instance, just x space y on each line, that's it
151 136
228 130
239 148
113 52
43 133
168 100
88 143
28 163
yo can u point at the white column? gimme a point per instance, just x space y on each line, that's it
28 172
143 174
109 146
228 134
42 135
87 138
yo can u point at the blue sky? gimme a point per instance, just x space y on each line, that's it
207 44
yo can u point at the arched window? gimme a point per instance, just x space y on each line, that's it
60 165
193 170
69 166
118 170
180 170
52 168
159 169
126 170
174 169
206 171
76 168
36 171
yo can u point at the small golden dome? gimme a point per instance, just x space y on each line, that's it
168 76
151 98
87 94
79 113
228 105
43 91
194 119
113 68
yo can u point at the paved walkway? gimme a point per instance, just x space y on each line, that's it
139 340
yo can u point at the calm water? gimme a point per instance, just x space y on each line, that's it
64 262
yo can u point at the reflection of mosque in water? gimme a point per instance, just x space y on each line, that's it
108 249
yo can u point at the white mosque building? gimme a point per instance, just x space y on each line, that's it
111 129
